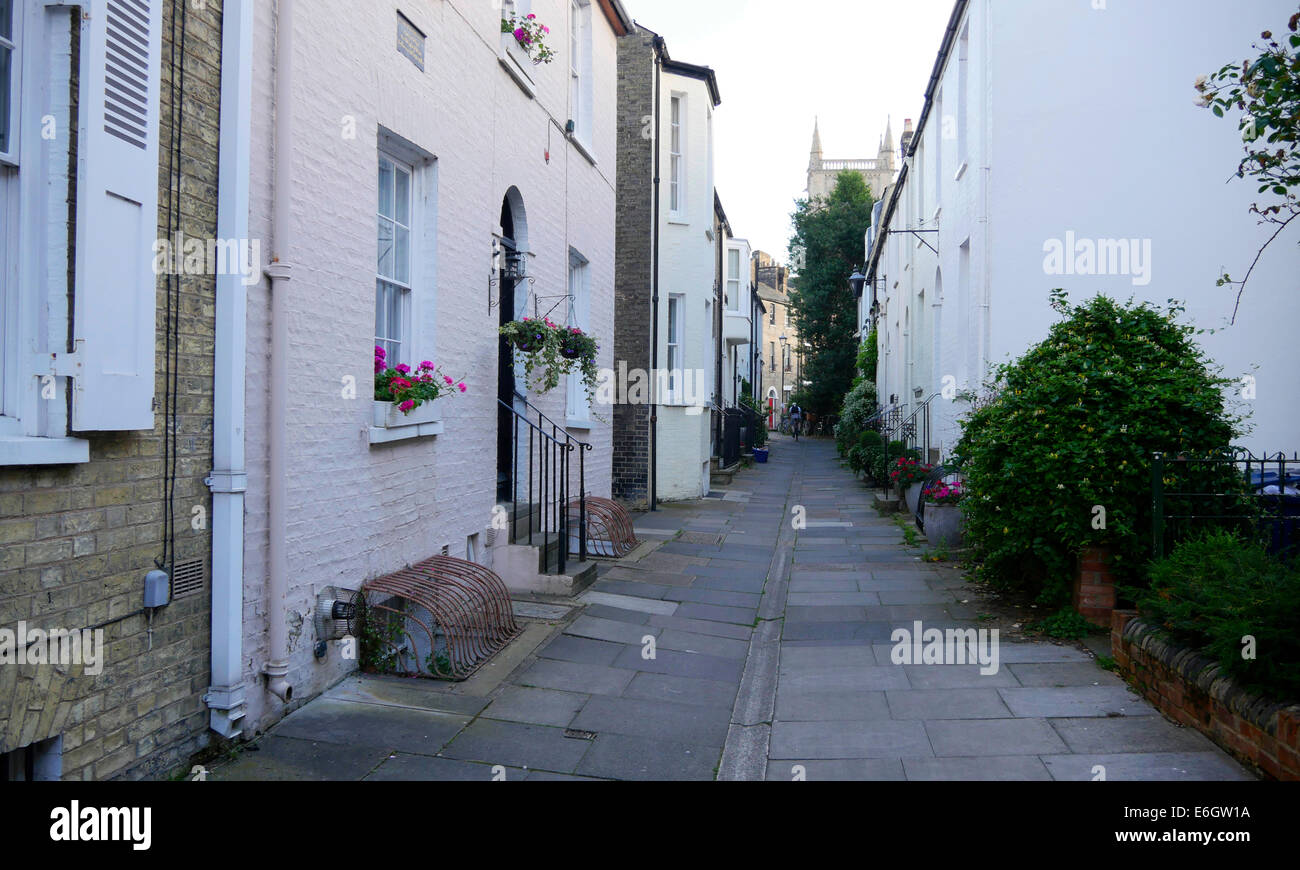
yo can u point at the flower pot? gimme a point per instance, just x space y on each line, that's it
760 454
911 495
387 415
944 525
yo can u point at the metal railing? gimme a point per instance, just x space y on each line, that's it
582 448
1255 496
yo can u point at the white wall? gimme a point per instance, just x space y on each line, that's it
1084 120
358 511
687 265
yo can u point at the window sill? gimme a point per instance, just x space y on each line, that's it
43 451
380 435
584 425
583 148
679 219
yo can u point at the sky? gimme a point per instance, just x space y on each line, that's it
850 63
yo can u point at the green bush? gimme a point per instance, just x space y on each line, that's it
760 431
862 455
1214 590
1071 426
859 406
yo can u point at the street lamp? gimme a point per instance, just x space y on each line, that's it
856 281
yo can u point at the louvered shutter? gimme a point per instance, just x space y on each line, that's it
115 298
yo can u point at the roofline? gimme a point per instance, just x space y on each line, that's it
945 49
617 16
885 217
721 212
691 70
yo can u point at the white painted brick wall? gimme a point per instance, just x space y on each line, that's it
358 511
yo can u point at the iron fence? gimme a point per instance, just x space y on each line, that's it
1258 497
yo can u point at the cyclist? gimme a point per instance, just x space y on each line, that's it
796 416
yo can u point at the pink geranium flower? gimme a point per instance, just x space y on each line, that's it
461 387
407 406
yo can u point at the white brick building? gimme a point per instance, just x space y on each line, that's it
1027 142
446 139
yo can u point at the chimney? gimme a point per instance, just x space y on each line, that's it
907 136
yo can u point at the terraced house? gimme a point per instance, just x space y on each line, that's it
110 115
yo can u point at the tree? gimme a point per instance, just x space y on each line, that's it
829 232
1266 91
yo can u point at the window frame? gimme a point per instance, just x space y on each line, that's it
407 288
677 156
733 278
577 404
9 155
676 365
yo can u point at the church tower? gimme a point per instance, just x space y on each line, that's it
814 158
885 159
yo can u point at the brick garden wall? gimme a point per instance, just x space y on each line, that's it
76 541
1189 688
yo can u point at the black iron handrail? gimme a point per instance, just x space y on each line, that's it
583 447
548 479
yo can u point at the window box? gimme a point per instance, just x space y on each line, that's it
510 61
388 423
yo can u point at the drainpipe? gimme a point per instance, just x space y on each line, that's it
280 272
229 479
658 44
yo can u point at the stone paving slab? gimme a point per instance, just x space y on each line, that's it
628 602
294 760
839 770
423 768
599 628
327 720
702 626
932 704
573 677
660 720
682 664
537 706
1061 674
795 703
992 769
690 642
1135 734
1148 767
616 756
717 613
971 737
583 650
515 744
681 690
1076 701
694 595
886 738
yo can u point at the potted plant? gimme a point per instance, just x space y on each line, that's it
530 35
944 522
908 474
405 396
550 350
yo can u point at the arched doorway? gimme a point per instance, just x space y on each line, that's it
513 245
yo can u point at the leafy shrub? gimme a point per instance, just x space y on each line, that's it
862 455
1066 624
1215 589
859 406
1072 425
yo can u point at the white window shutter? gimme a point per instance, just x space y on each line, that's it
115 297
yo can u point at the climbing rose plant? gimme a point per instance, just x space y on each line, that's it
410 388
1065 436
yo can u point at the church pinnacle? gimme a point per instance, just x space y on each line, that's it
815 156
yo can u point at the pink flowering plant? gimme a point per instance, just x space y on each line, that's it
907 471
410 388
550 350
945 492
531 35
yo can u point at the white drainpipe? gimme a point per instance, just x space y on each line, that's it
280 272
225 697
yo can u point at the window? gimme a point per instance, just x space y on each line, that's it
771 355
579 406
393 280
580 97
10 27
675 327
963 91
676 178
733 279
771 315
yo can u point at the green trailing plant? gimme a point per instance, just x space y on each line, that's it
1214 591
1065 624
1265 89
1070 427
549 350
530 34
382 633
